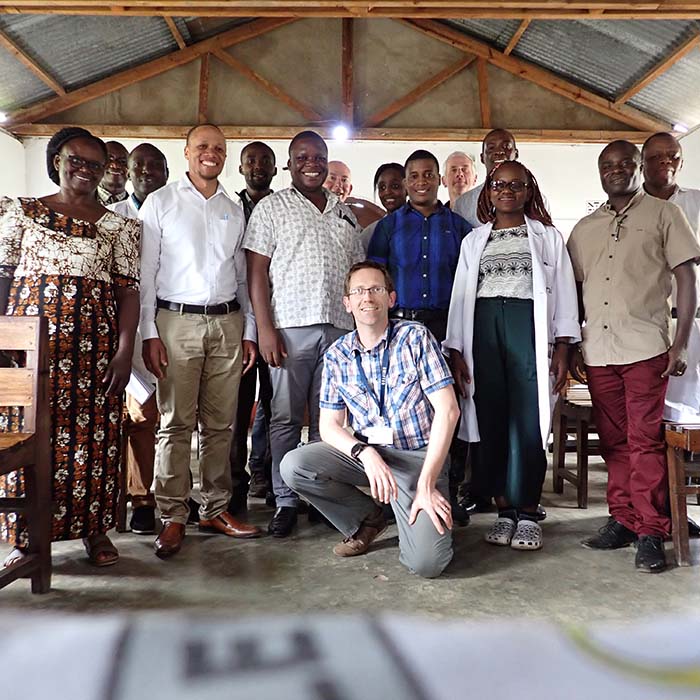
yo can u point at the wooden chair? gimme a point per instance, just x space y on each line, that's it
28 387
681 442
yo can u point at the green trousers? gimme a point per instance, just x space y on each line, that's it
509 460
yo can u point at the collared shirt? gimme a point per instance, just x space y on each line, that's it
247 204
191 252
624 260
689 201
127 207
105 197
420 253
416 369
310 253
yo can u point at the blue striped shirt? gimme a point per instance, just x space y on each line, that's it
416 369
421 254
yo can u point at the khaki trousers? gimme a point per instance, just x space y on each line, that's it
201 382
141 451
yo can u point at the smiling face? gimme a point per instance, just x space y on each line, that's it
80 165
148 170
662 160
339 179
257 166
114 179
498 146
459 175
308 164
511 188
369 309
620 169
206 153
422 181
391 190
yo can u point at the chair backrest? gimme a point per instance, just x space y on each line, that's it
21 386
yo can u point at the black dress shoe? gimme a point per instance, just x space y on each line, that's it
540 514
651 558
283 521
193 517
460 515
143 520
612 535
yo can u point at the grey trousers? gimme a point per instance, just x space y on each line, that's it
294 385
328 479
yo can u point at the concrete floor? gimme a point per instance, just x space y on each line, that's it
214 574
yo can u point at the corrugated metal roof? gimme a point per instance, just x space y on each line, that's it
674 95
78 50
200 28
603 56
496 31
19 86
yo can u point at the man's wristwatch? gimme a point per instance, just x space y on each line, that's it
357 448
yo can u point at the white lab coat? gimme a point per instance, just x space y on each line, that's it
555 313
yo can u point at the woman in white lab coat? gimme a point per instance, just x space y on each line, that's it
513 314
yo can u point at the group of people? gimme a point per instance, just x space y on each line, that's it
400 335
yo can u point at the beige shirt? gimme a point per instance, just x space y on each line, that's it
625 261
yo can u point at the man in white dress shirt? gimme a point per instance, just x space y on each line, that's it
198 330
147 172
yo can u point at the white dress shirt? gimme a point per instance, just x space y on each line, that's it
127 207
191 252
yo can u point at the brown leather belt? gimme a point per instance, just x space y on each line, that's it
228 307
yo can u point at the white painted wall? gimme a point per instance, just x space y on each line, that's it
12 171
567 173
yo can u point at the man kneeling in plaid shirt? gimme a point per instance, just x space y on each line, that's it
397 390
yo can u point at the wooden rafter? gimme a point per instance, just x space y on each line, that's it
659 68
539 76
418 92
146 70
203 107
179 39
484 103
382 134
516 36
40 73
347 72
277 92
437 9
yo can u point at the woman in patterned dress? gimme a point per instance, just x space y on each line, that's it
512 316
68 258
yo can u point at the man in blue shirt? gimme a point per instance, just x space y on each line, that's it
394 384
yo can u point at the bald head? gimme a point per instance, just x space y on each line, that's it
339 179
148 170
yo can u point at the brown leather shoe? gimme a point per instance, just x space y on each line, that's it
228 525
170 540
372 526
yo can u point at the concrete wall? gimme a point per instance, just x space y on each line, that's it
12 172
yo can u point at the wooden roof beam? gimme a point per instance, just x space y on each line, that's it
269 87
348 111
146 70
516 37
659 68
418 92
484 103
34 67
179 39
539 76
203 105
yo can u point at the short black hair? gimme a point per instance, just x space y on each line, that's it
627 145
308 134
60 139
258 143
388 166
422 154
660 134
199 126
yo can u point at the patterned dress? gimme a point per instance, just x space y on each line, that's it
66 269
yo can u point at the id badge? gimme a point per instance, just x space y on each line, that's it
379 435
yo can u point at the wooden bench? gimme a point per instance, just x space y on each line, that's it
28 387
681 441
572 415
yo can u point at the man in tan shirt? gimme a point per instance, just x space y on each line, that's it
624 256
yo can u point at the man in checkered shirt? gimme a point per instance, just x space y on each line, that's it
397 390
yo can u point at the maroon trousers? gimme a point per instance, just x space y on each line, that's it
628 402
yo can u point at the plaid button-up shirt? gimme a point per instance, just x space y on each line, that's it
416 369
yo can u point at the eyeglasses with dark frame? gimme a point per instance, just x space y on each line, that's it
77 162
513 185
361 291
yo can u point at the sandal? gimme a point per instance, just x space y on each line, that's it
100 550
14 557
528 535
501 532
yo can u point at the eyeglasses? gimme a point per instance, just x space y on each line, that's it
513 185
92 165
361 291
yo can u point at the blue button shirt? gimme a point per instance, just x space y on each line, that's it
421 254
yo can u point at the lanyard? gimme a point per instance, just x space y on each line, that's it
385 369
